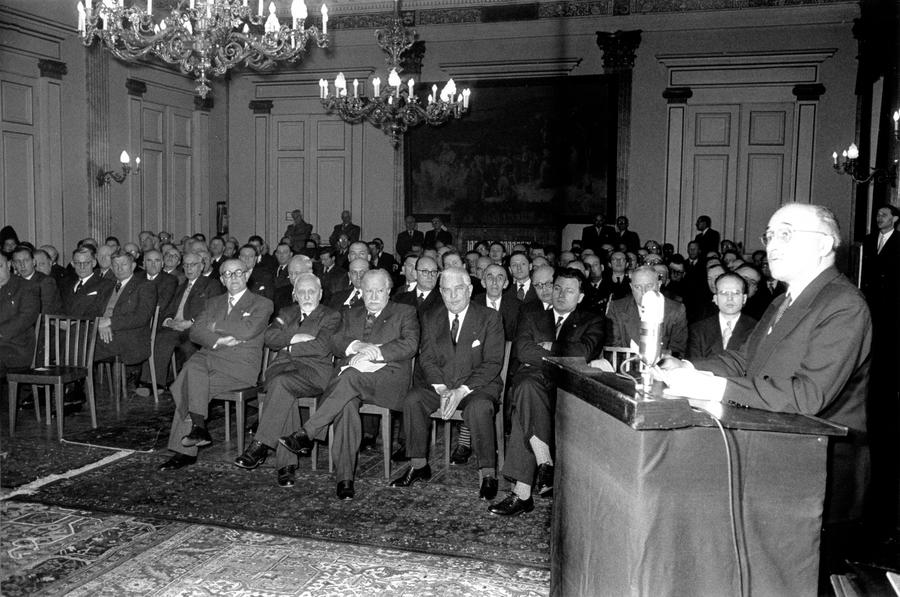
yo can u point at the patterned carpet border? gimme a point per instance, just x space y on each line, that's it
47 550
27 460
431 518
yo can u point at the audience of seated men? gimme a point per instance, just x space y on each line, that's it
230 331
19 309
260 279
560 331
333 277
625 321
123 331
726 330
460 357
301 333
374 347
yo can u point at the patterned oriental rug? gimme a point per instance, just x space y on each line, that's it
47 550
442 517
25 460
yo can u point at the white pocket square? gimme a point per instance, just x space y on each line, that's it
92 293
246 314
476 343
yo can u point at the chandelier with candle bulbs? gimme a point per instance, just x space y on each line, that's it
203 37
393 107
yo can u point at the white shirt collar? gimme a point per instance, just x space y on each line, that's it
557 315
84 281
724 319
151 278
237 297
488 300
124 282
462 318
886 235
526 285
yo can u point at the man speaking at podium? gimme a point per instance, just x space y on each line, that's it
809 353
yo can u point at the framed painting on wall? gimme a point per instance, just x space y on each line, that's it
538 151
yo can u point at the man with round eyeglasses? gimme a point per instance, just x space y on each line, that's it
810 353
230 332
424 297
729 327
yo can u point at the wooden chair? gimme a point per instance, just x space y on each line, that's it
240 398
498 417
115 372
67 355
308 402
152 360
385 414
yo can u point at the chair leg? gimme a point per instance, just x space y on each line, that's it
35 392
92 403
60 391
447 429
13 388
501 439
386 443
239 424
152 365
48 390
228 422
314 455
330 446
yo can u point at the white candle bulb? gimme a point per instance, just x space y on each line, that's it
853 151
188 26
410 84
80 8
150 7
355 88
192 5
376 85
124 157
260 7
340 85
465 94
434 93
272 20
394 79
834 157
137 162
324 19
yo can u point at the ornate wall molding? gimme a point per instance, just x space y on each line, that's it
511 69
619 49
98 139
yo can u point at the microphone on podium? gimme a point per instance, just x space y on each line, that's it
651 310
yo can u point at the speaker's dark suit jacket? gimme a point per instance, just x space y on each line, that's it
624 322
48 293
705 336
314 356
19 309
166 285
708 240
90 299
509 313
405 241
130 323
591 238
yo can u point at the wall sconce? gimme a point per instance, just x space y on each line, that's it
848 163
896 118
103 177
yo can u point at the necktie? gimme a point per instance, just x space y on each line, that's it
367 329
726 334
282 272
781 309
118 287
520 294
880 242
78 285
303 316
179 314
494 305
420 298
352 299
230 305
454 329
559 322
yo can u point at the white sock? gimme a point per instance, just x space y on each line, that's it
541 451
522 490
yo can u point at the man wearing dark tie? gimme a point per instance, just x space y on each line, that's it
260 279
87 293
495 281
48 293
624 319
560 331
424 297
374 347
626 237
165 284
598 234
346 228
459 368
810 353
617 283
282 257
230 331
123 331
351 298
729 328
175 322
334 278
302 333
520 285
409 237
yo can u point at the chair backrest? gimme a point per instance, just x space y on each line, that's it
153 330
269 356
504 370
619 357
67 341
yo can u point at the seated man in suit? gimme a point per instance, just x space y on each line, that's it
729 328
175 322
409 237
123 331
166 284
380 259
19 309
624 319
520 285
302 332
260 279
495 282
334 278
374 347
810 354
230 332
424 298
459 368
560 331
352 297
48 293
346 228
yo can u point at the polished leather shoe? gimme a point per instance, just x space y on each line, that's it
253 456
345 490
512 505
544 483
297 442
399 455
488 489
286 475
198 436
422 473
461 454
176 462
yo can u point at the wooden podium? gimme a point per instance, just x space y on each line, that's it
647 502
